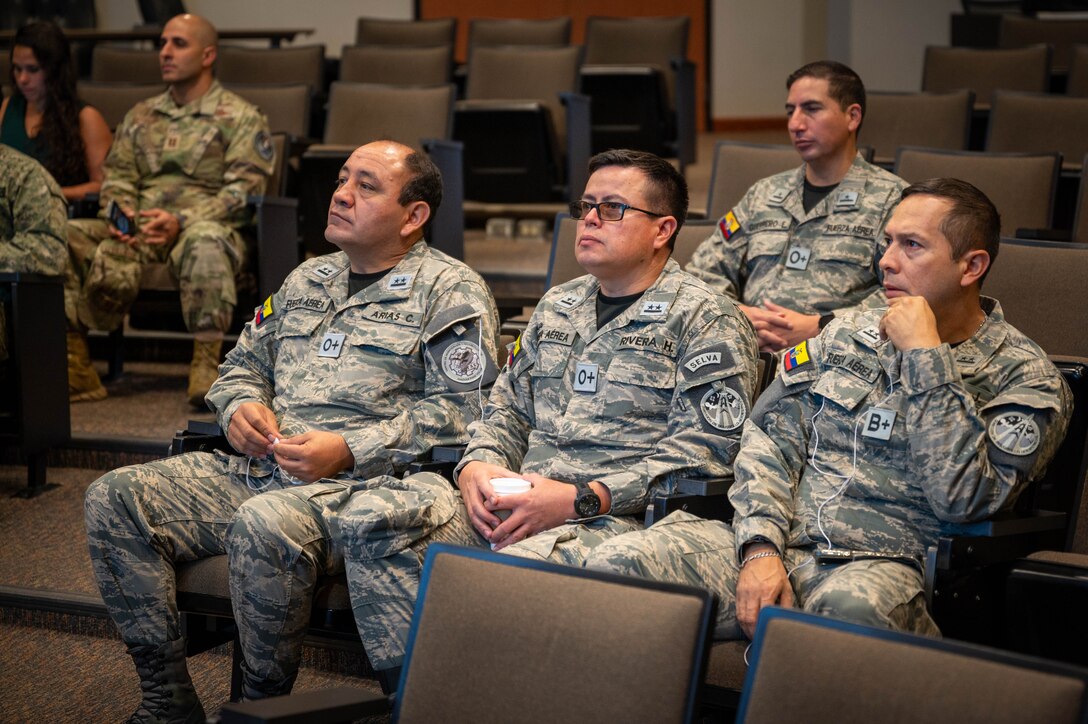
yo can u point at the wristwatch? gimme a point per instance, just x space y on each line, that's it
586 503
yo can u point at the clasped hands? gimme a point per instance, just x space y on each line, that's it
313 455
549 503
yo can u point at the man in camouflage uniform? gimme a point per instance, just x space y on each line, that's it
805 243
891 428
343 375
32 217
624 381
181 165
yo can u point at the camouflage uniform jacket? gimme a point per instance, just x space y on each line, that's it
33 215
768 248
394 369
943 437
657 393
197 161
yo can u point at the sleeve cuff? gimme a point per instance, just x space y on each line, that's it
748 530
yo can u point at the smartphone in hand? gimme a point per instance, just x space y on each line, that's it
120 221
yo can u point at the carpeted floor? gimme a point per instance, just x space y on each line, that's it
42 542
70 668
54 676
147 402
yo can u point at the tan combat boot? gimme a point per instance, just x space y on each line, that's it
83 382
204 369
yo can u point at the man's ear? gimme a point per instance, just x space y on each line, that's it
975 262
418 214
666 227
210 55
853 113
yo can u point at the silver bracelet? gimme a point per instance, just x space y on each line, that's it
761 554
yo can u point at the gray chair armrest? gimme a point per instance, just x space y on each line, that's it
200 436
704 497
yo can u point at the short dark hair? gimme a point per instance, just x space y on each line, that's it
667 188
843 84
973 221
424 182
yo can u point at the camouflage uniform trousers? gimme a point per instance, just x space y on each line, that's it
683 548
143 519
386 531
103 278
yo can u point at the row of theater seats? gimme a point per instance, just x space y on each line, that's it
803 667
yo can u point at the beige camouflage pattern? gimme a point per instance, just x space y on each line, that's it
33 214
944 463
387 393
199 162
646 424
842 238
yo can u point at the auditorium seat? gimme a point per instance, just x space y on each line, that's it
738 165
1019 31
524 140
1040 123
383 31
642 85
538 32
815 669
113 64
933 120
1021 185
396 64
519 625
114 100
984 70
293 64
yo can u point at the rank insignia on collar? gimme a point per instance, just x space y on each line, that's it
399 281
568 301
653 309
846 199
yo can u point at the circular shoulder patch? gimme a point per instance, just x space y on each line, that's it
723 409
263 143
1015 433
463 362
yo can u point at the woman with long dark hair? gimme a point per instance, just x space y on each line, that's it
45 119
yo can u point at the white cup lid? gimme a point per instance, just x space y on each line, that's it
510 486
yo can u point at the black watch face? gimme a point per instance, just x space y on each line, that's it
587 505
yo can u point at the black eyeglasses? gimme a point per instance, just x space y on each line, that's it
606 210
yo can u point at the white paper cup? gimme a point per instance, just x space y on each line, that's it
508 486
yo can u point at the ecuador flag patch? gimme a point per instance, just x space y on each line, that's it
263 312
796 356
729 225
